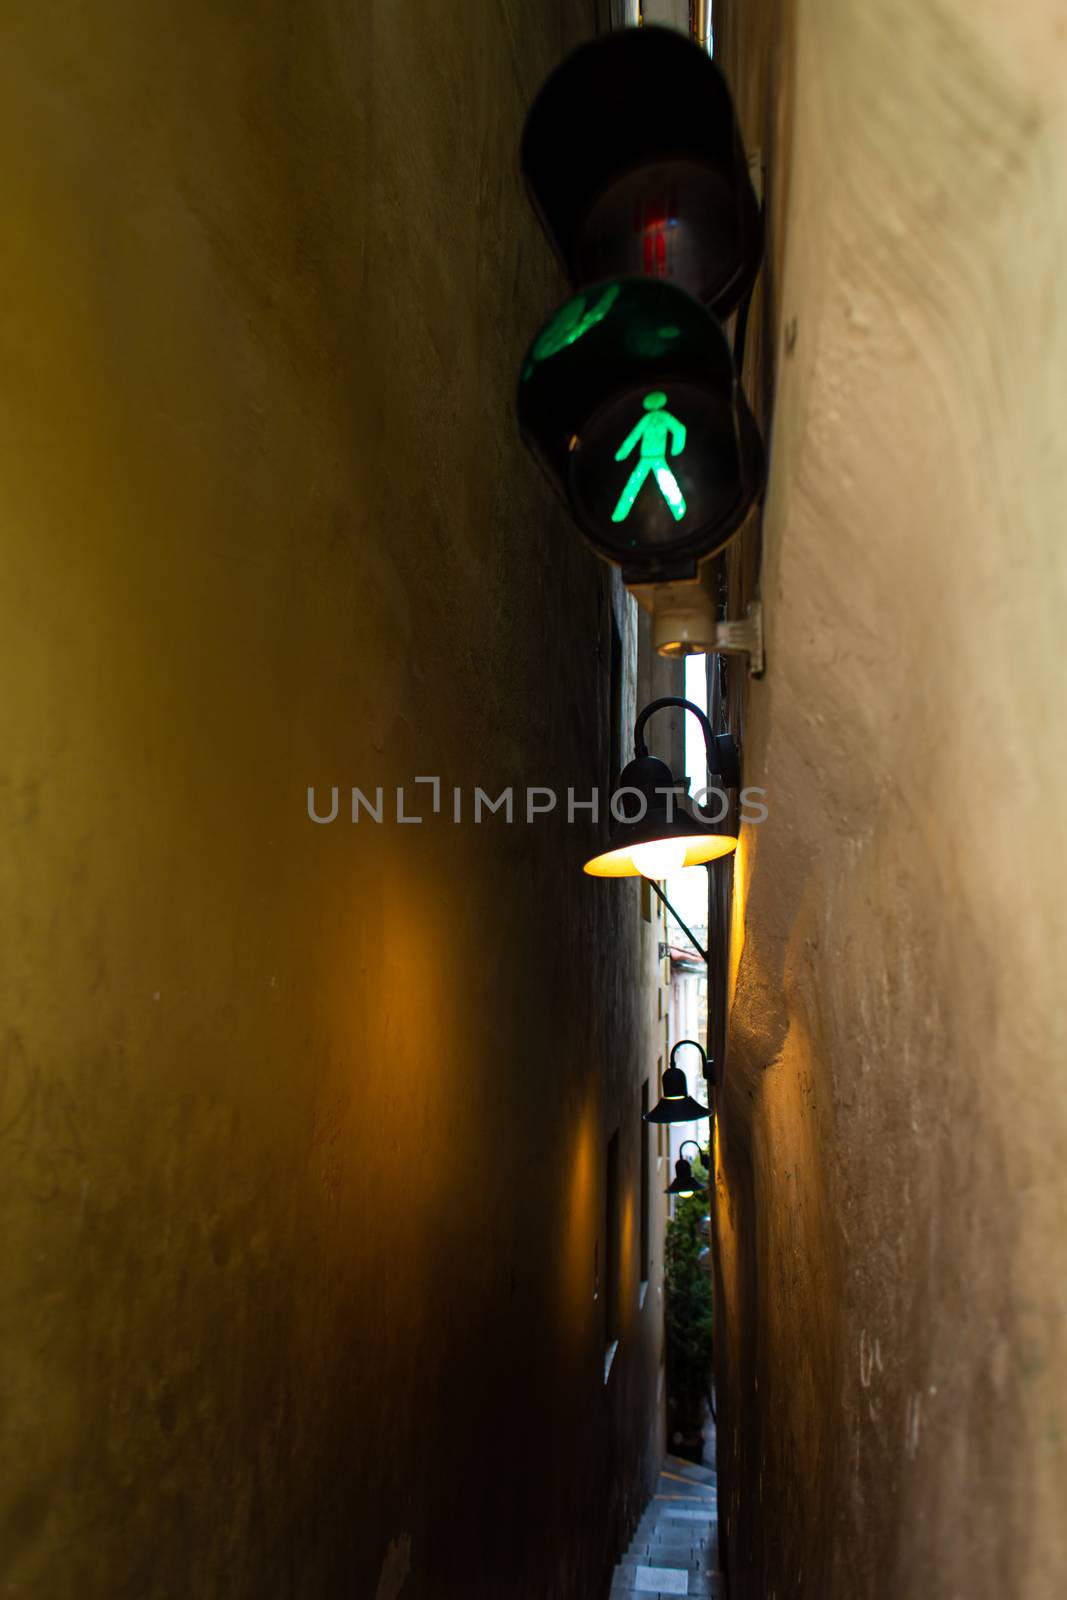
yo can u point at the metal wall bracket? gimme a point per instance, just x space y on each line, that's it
743 637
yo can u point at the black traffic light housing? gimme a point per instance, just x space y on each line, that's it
612 362
634 163
629 396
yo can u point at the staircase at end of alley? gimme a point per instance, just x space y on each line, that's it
675 1549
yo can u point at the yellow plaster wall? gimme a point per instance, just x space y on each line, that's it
301 1128
895 1137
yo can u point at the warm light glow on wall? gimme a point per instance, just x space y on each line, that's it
395 1065
579 1219
737 913
727 1303
626 1260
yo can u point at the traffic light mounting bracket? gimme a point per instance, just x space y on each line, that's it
743 637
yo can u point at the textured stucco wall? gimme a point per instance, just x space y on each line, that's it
891 1204
302 1128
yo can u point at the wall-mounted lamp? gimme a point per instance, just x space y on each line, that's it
660 832
684 1182
676 1104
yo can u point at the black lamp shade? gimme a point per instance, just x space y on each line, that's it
676 1103
684 1182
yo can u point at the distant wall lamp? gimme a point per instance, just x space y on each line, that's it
676 1104
684 1182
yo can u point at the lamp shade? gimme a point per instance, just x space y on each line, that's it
676 1104
659 831
684 1182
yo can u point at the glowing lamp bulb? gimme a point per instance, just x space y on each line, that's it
660 858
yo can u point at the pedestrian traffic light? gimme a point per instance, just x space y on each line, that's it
628 396
634 163
628 399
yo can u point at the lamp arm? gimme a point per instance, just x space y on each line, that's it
721 748
641 748
696 1046
696 1147
697 946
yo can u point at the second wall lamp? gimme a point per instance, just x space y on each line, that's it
676 1104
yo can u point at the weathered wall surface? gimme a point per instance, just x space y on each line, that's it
893 1147
302 1127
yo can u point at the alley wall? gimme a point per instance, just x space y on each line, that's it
891 1207
304 1125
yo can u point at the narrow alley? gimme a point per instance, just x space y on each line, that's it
533 737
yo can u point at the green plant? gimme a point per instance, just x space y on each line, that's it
688 1317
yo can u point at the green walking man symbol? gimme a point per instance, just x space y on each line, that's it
655 430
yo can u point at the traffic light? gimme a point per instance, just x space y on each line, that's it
628 395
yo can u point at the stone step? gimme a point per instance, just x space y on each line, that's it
698 1548
679 1515
689 1549
680 1521
699 1569
645 1580
685 1533
664 1581
688 1469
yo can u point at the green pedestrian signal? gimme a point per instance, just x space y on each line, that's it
654 431
629 400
